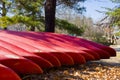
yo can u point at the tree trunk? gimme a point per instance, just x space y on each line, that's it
50 10
4 10
32 28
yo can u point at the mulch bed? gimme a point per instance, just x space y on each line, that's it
93 70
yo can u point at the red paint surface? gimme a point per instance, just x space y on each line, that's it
17 63
39 41
7 74
43 63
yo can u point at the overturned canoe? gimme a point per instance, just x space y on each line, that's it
108 49
43 46
43 63
31 49
41 43
7 74
59 42
17 63
79 45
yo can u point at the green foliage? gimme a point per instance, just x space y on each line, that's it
69 27
115 12
116 1
118 33
27 12
4 22
115 16
5 6
28 7
73 4
98 37
69 3
28 21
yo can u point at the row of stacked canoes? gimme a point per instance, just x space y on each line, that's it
33 52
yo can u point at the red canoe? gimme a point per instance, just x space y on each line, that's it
55 53
79 55
77 58
77 44
34 42
64 59
7 74
43 63
43 60
67 61
54 60
69 43
17 63
61 43
51 42
111 51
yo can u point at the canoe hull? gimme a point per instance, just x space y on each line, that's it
7 74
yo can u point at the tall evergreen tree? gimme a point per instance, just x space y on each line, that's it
28 12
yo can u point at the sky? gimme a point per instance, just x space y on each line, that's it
93 5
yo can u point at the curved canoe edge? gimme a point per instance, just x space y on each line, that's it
110 50
103 54
64 59
22 66
8 74
94 54
43 63
77 58
17 63
88 57
51 58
